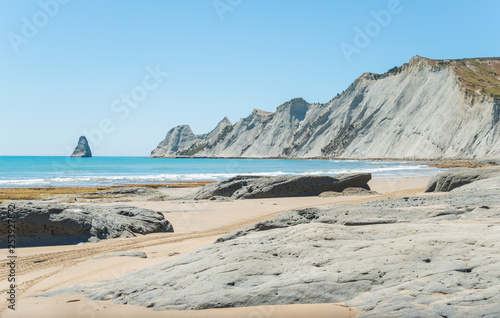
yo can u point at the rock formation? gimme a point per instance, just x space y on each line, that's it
253 187
121 195
82 150
182 141
40 223
423 109
447 181
422 256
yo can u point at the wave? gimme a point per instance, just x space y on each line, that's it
383 171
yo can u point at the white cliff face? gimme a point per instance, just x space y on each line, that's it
417 111
181 140
178 138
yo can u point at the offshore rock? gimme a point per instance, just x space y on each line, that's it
82 150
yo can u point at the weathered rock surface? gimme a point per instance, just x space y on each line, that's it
82 150
423 109
447 181
252 187
427 256
39 223
123 254
182 141
125 194
127 191
348 192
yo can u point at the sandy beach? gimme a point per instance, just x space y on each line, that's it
196 224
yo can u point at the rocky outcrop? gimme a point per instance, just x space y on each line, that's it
423 109
121 194
253 187
82 150
183 142
125 194
400 257
450 180
125 191
39 223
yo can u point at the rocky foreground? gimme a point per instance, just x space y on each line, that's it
40 223
422 256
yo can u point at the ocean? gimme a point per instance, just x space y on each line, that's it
100 171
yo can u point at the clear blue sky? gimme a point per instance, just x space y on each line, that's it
62 77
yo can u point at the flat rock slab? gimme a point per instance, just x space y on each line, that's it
127 191
348 192
422 256
123 254
253 187
447 181
125 194
41 223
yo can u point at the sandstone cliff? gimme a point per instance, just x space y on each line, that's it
423 109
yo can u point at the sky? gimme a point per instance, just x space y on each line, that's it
124 72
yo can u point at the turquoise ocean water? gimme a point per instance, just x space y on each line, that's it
64 171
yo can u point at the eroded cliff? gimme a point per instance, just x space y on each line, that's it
422 109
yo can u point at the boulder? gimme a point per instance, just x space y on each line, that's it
40 223
82 150
450 180
253 187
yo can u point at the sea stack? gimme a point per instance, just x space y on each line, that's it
82 150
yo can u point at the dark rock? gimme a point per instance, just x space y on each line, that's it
252 187
82 150
39 223
450 180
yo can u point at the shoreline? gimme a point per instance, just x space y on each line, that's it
97 182
175 172
423 160
43 193
48 192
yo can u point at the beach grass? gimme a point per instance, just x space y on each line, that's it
41 193
458 164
